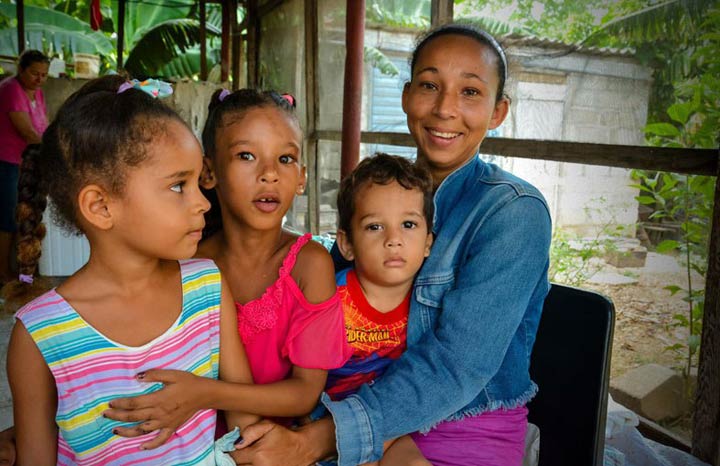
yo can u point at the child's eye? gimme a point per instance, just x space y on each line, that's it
428 85
374 227
246 156
287 159
178 187
471 92
409 224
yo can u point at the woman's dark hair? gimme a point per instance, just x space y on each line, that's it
383 169
473 32
28 57
96 135
224 109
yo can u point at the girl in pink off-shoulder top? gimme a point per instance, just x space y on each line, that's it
289 313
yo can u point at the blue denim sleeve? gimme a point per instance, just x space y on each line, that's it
452 363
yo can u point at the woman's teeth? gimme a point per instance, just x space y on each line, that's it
443 135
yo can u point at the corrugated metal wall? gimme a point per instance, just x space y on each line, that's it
62 255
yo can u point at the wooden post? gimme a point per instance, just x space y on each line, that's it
225 43
236 44
203 42
441 12
253 29
706 419
20 13
312 94
120 33
352 95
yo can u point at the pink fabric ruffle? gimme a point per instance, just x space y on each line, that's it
281 328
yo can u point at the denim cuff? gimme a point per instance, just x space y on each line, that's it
356 442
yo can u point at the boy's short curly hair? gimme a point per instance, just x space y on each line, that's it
383 169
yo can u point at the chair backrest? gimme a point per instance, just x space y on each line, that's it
570 363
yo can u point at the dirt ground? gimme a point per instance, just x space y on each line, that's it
644 310
643 321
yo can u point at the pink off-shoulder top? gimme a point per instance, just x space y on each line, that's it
281 328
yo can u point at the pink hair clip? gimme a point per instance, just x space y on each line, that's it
125 86
223 94
290 99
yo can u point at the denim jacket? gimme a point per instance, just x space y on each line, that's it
473 317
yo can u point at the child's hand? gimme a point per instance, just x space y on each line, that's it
7 447
164 410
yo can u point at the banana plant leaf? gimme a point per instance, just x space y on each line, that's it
185 65
161 44
140 17
45 29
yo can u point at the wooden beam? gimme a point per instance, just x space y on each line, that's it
352 93
441 12
312 98
122 4
253 34
203 41
225 43
269 6
706 418
236 41
660 434
20 14
691 161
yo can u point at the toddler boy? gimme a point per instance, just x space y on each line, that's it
385 209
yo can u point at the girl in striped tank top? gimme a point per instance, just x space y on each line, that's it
288 310
122 169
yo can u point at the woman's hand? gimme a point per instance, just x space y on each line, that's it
164 410
268 444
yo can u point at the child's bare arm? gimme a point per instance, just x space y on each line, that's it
7 446
234 366
34 401
403 452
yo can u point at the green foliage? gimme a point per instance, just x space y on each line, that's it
413 14
570 258
51 31
157 34
568 21
177 36
380 61
686 200
574 259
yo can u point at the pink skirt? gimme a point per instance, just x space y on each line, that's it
495 438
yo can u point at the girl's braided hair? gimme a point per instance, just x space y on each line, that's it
96 136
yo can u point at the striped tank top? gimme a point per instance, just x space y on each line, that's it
90 370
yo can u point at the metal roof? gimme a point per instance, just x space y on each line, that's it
518 40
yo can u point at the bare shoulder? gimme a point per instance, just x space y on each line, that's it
312 258
314 272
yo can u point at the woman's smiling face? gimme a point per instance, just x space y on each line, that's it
451 101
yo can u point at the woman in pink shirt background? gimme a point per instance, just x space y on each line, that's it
22 121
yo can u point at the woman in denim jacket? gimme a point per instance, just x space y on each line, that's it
477 299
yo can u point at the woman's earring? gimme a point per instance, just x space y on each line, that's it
300 190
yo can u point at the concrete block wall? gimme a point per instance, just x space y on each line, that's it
583 98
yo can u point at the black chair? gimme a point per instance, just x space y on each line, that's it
570 363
